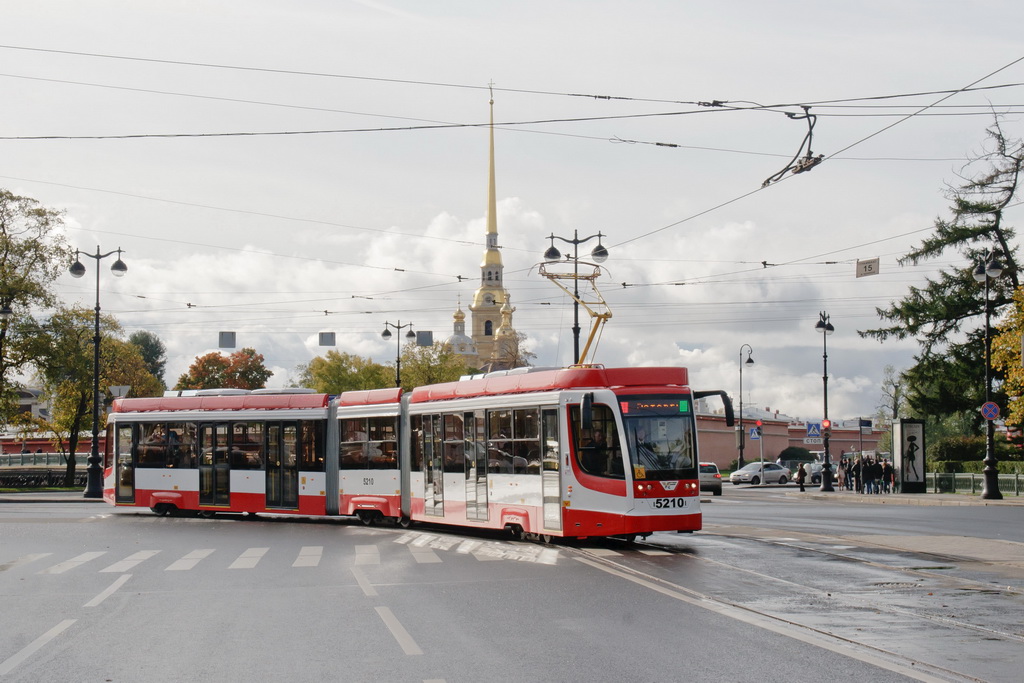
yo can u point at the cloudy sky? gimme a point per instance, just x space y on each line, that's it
285 169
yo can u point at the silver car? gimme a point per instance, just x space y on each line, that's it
753 474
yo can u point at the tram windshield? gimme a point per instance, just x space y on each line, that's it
660 437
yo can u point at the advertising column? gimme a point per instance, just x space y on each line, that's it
908 458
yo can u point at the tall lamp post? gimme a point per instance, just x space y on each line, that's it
410 335
94 473
987 269
599 254
826 328
743 434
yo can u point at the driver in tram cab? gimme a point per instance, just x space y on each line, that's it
594 456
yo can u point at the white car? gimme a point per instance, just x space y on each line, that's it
753 474
710 478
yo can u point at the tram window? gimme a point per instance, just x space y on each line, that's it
526 441
181 445
382 447
311 452
598 451
352 455
454 446
246 451
152 451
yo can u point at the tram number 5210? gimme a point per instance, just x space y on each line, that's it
662 503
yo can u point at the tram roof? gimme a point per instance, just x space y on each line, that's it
236 402
553 380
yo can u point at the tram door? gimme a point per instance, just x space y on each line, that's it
476 466
214 469
433 494
282 466
551 484
124 465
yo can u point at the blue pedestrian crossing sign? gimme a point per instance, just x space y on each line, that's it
755 434
813 430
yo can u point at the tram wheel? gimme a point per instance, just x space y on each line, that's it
404 522
162 509
207 514
516 531
368 517
546 539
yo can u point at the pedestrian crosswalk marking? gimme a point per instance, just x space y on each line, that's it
309 556
131 561
190 560
367 554
72 563
249 559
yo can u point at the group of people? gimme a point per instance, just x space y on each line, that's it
860 474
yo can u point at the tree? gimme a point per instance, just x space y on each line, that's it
243 369
33 253
154 353
423 365
946 316
338 372
514 353
64 369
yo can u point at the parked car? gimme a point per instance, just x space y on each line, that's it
753 474
710 478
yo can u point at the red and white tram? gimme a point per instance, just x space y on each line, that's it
576 452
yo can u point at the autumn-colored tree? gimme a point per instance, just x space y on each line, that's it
338 372
242 369
1006 357
64 370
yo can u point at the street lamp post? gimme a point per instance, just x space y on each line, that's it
987 269
826 328
94 473
599 254
743 434
410 335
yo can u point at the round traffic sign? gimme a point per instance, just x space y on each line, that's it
990 411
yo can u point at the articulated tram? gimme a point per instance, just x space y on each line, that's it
574 452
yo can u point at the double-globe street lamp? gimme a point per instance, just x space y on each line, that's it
94 473
987 269
743 434
599 254
825 327
410 335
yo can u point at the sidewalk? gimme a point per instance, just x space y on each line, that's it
47 497
905 498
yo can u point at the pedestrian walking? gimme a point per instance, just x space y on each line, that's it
801 475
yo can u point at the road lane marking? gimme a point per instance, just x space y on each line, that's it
364 583
8 665
72 563
131 561
121 580
367 554
405 640
309 556
249 559
189 561
25 559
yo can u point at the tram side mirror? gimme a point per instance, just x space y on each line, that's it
730 418
587 411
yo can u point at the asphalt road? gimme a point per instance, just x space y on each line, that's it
96 594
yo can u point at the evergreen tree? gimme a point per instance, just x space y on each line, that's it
946 316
